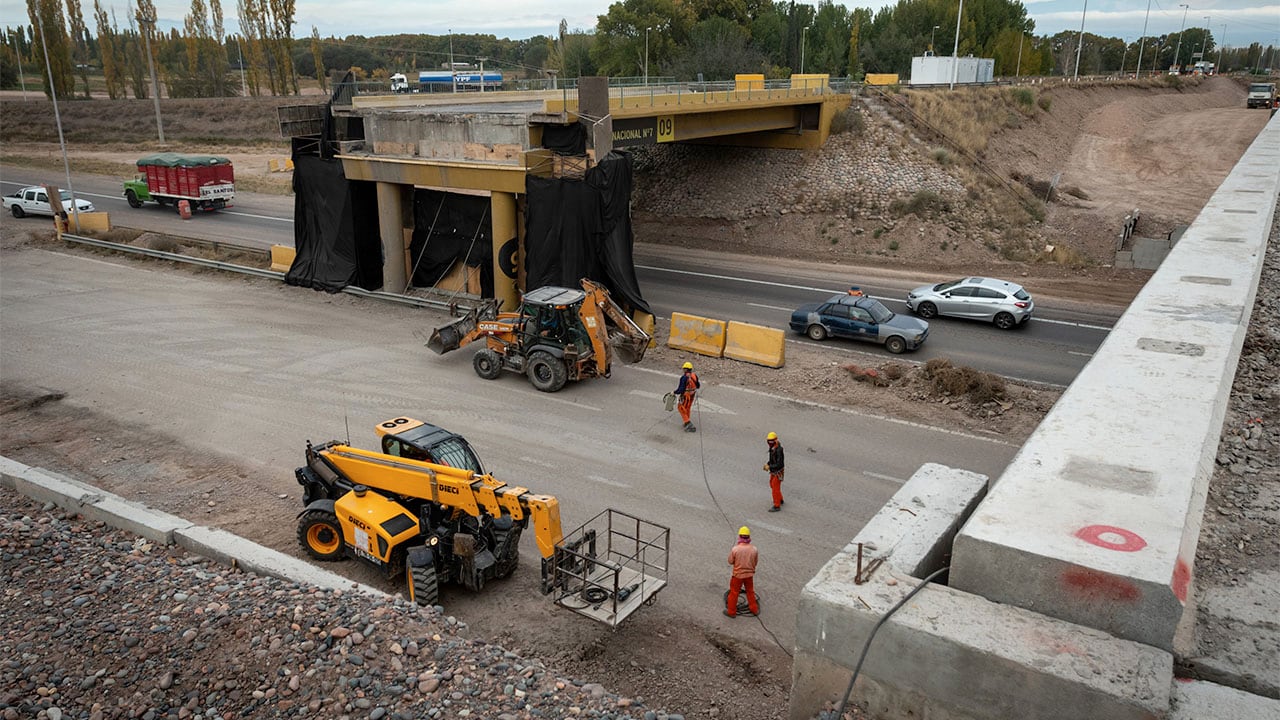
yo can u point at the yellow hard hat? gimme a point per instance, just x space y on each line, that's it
688 366
771 436
744 530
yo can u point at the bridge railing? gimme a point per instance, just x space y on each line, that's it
672 94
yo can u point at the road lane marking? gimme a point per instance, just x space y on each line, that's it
886 478
545 397
607 481
1081 354
257 217
686 503
772 528
771 307
702 404
534 461
121 198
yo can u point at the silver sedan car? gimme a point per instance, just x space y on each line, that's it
1001 302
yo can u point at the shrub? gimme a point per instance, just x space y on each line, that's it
879 231
961 381
893 245
1023 97
1044 102
839 123
942 156
922 203
893 371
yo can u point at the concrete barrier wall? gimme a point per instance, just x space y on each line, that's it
704 336
755 344
1096 520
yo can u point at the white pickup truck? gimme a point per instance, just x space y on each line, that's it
34 200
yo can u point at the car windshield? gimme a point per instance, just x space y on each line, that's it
1257 87
64 195
940 287
878 311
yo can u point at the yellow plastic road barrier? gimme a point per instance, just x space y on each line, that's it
288 165
90 221
282 257
273 165
646 323
744 81
881 78
697 334
755 344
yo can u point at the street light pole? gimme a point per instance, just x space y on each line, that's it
931 34
1021 37
803 35
955 49
57 119
646 56
1080 38
1221 44
1177 53
1124 56
148 24
1142 44
17 50
453 71
482 59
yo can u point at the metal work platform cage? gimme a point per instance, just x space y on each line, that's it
609 567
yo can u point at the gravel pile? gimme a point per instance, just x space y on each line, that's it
97 623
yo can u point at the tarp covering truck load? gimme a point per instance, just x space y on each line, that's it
206 182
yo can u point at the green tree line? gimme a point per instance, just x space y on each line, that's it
685 39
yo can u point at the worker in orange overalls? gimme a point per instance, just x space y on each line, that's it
743 558
686 391
775 468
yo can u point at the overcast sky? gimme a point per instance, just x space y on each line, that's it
1243 21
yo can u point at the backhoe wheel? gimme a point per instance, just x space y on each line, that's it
424 584
132 197
321 535
547 372
488 364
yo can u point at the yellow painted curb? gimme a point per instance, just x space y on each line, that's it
704 336
755 344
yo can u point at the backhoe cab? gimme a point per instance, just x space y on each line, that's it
556 335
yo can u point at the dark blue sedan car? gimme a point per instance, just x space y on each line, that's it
862 318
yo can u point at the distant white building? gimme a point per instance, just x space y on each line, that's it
933 70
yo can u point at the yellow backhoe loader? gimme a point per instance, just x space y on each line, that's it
556 335
423 509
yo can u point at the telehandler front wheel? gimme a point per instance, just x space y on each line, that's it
423 584
547 372
321 535
487 363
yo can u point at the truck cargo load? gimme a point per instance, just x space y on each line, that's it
206 182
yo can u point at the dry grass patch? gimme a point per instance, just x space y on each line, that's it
959 381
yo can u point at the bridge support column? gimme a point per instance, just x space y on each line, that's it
395 226
506 244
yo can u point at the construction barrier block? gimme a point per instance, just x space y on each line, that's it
273 165
881 78
646 323
755 344
282 257
697 334
288 165
745 81
90 222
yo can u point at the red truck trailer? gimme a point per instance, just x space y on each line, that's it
206 182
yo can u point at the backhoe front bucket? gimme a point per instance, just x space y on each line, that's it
629 348
449 336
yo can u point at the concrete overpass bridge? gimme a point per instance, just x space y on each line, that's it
487 145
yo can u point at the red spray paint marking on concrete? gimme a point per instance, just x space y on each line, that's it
1181 579
1094 585
1094 535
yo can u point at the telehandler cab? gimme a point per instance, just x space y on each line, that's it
556 335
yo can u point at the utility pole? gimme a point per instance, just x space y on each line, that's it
482 59
148 26
1080 38
1124 56
17 50
244 87
1177 53
1142 44
803 36
646 56
453 71
955 49
1221 45
1021 36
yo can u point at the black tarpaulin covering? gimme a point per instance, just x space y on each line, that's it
582 228
449 228
332 250
565 139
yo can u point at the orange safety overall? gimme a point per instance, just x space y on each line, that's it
743 558
687 389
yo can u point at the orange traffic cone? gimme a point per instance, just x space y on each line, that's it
184 209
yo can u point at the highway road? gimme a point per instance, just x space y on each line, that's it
237 374
1051 349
